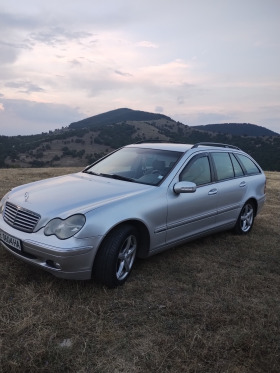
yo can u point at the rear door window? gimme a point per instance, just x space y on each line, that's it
250 167
223 165
236 166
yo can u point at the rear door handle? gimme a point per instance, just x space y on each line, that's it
242 184
212 191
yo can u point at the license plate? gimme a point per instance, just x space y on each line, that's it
10 240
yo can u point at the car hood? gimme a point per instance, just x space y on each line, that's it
77 193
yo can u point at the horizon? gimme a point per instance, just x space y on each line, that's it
208 124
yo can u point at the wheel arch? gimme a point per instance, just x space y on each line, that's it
254 202
244 222
144 236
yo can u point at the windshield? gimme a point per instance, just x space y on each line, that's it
147 166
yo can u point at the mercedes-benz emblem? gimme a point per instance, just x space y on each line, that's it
26 196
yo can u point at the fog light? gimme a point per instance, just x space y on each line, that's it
53 264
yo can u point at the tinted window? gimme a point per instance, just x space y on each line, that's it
197 171
223 166
236 166
248 164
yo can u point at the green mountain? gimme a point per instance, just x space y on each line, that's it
237 129
83 142
117 116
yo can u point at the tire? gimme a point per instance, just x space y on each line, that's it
246 218
114 260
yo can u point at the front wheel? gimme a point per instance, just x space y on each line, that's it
246 218
115 258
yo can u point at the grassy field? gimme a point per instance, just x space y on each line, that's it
210 306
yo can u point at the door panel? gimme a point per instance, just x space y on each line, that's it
190 213
231 194
231 187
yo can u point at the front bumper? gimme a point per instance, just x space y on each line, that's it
69 259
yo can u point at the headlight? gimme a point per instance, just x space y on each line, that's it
2 202
64 229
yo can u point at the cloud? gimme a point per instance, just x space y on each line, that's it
8 53
196 117
30 117
18 45
75 63
122 73
159 109
13 32
18 20
24 87
147 44
180 100
216 65
172 73
55 35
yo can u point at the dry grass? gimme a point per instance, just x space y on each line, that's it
210 306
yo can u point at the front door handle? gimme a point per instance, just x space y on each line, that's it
212 191
242 184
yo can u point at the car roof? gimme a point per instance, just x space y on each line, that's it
162 146
179 147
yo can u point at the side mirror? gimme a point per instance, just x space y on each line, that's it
184 187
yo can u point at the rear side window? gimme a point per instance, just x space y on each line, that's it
197 171
223 166
236 166
249 166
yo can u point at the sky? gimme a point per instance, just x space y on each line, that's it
196 61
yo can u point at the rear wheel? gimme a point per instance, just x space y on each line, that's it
115 258
246 218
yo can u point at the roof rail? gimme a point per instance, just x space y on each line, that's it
156 141
215 144
149 140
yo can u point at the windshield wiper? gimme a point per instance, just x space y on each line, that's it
91 173
118 177
112 176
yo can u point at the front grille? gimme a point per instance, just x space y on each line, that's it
20 218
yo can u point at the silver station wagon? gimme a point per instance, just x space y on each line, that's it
135 202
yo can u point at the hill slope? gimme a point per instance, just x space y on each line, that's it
237 129
117 116
84 142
